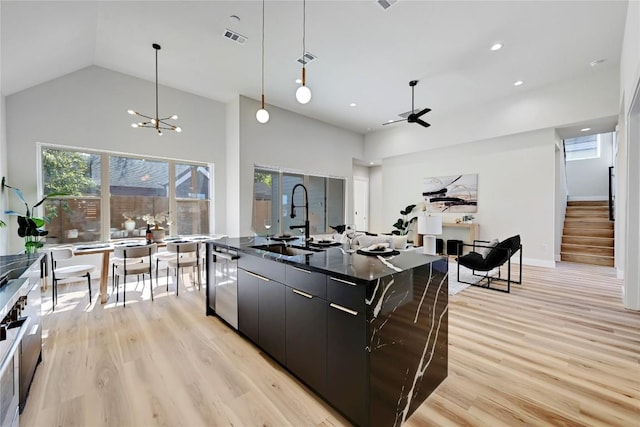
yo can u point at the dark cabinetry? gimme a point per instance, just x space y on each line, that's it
347 349
248 321
272 314
306 332
261 306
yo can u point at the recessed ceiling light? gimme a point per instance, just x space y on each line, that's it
496 46
389 121
234 18
298 81
596 62
585 129
518 83
353 104
371 163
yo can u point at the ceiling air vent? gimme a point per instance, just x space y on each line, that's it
307 58
386 4
233 36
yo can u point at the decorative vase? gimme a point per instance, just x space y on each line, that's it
158 234
31 244
129 225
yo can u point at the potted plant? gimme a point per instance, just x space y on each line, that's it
129 223
155 221
30 227
402 224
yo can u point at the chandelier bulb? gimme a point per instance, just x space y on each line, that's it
303 94
174 117
131 112
134 125
178 129
262 116
159 132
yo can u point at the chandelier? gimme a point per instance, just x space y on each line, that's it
157 123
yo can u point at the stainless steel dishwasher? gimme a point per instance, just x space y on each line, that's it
223 295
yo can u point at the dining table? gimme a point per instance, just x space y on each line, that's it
106 248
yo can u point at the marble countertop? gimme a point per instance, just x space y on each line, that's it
12 266
332 259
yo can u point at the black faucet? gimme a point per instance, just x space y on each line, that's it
306 211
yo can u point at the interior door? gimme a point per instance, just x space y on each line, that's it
361 203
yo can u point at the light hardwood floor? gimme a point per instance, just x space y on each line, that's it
559 350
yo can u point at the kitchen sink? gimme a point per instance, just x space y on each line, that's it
287 250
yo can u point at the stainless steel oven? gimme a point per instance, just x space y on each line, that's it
14 324
10 371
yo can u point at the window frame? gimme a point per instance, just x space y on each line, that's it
281 172
105 193
598 149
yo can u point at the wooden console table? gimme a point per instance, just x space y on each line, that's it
463 231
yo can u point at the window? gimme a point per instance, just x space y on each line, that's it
192 199
76 217
138 188
326 202
175 194
582 148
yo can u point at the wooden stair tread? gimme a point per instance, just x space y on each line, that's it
600 232
586 250
588 203
588 240
588 259
588 234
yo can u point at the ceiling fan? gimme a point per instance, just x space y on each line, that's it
413 117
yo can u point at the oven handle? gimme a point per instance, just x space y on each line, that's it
14 346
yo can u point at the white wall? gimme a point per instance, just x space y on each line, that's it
233 168
561 195
630 138
588 179
376 220
88 109
292 141
515 187
360 171
4 231
592 97
3 160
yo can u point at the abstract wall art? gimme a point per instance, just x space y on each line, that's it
455 193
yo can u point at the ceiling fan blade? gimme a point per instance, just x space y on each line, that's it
425 111
423 123
395 121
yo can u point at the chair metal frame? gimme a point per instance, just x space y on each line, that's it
177 260
509 253
134 253
68 254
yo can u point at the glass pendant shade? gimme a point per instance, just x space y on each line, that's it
262 115
303 95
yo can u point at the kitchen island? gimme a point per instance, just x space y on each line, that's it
367 333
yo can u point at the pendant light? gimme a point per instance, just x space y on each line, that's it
157 123
303 94
262 115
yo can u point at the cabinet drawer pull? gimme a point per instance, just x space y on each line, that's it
345 309
301 269
342 281
304 294
258 276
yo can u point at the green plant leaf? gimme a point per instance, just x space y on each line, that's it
399 224
408 210
47 196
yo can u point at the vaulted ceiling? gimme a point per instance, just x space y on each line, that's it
366 55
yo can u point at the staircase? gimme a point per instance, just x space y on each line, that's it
588 234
